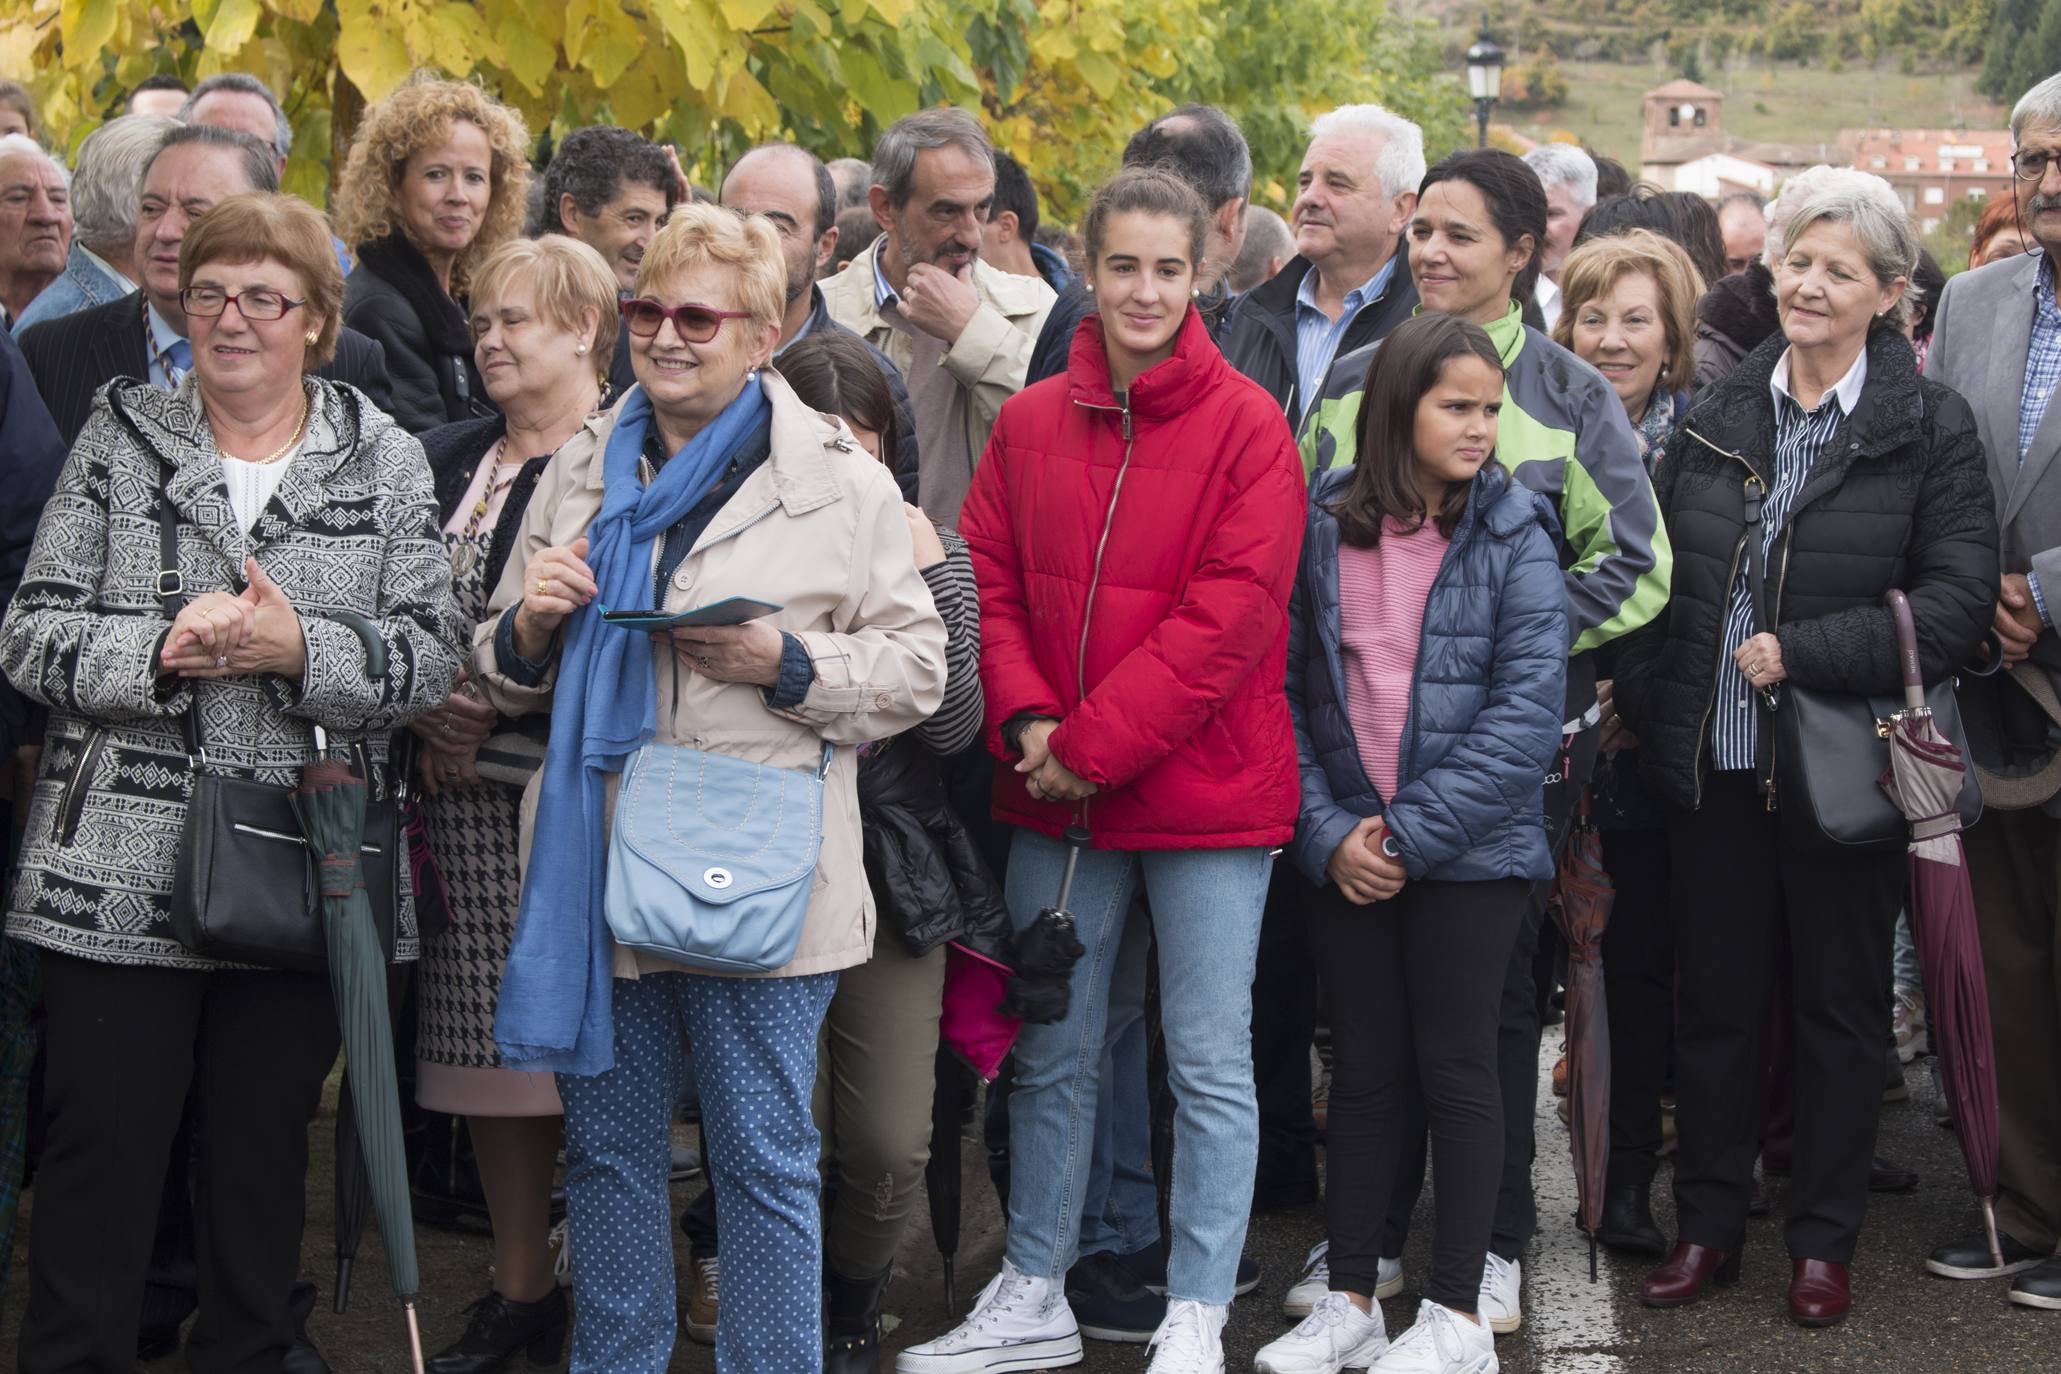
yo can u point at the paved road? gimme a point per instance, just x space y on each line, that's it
1906 1321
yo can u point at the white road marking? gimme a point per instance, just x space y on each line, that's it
1571 1322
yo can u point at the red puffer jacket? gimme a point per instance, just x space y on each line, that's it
1135 568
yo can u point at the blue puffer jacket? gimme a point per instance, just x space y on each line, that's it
1484 714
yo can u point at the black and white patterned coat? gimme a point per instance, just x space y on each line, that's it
352 527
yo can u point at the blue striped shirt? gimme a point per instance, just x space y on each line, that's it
1800 436
1317 335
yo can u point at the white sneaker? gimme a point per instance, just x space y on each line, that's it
1440 1342
1019 1322
1189 1341
1316 1282
1335 1336
1499 1307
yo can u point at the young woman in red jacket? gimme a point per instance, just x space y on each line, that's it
1135 525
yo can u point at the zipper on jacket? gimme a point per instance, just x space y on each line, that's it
72 803
1718 671
1080 663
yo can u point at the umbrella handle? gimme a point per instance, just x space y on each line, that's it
1907 648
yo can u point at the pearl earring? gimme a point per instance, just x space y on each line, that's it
1091 287
582 349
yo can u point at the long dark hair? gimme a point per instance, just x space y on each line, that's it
1516 201
833 371
1406 367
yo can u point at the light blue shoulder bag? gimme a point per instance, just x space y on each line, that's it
712 858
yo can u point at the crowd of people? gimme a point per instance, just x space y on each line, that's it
840 631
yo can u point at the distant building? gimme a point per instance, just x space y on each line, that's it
1933 168
1683 146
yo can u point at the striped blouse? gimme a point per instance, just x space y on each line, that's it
958 719
1800 436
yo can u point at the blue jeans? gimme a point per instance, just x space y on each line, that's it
1904 954
1120 1209
755 1067
1206 911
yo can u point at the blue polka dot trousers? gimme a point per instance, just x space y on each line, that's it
754 1063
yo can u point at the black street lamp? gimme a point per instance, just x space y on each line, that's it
1484 79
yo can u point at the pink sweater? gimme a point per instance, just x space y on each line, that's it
1381 596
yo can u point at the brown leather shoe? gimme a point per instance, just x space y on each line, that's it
1819 1294
1683 1276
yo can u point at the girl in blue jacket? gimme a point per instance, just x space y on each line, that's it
1426 670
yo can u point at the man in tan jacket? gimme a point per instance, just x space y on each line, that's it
960 331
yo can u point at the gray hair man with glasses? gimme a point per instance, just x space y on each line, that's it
192 168
1997 340
961 331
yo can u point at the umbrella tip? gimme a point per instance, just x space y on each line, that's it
343 1284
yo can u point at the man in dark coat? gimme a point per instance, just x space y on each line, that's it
144 334
1349 283
1201 145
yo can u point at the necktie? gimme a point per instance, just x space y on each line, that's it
178 361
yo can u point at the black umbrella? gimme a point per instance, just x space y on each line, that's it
941 1178
1047 950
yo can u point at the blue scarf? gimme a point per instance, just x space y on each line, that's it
554 1007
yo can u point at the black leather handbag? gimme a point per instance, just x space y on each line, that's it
1827 753
244 889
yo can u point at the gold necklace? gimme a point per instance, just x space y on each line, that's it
465 552
283 449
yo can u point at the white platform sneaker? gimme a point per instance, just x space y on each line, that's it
1018 1323
1440 1342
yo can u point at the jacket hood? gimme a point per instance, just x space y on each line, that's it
1741 307
1503 506
1165 389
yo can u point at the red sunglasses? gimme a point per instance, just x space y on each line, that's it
696 324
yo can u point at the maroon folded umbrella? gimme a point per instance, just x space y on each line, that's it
1924 779
1581 907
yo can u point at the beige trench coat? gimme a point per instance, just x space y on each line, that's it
818 530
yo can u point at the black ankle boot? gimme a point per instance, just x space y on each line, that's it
1628 1226
851 1343
499 1328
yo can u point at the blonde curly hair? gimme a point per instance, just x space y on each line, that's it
417 116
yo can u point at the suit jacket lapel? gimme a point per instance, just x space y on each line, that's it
2013 342
120 351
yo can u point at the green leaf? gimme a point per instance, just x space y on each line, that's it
530 59
87 28
234 23
876 93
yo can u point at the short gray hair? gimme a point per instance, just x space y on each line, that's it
852 175
106 191
1400 164
1807 185
243 83
11 144
1879 224
2038 108
1565 166
1266 236
947 126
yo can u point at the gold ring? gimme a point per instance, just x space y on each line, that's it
543 586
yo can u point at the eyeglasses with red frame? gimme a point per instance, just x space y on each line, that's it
697 324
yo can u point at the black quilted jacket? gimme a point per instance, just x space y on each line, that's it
1900 498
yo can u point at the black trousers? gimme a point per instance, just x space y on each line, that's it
1639 988
1517 1039
124 1045
1284 1025
1738 883
1413 985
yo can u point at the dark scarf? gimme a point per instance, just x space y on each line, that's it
395 260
